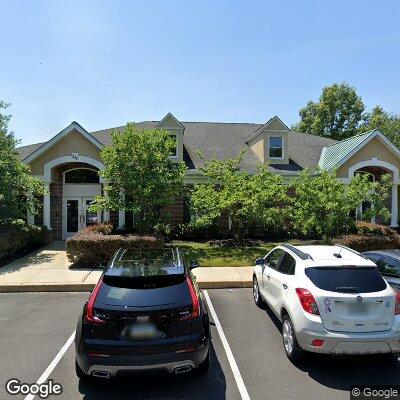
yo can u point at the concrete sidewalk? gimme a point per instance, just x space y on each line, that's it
48 270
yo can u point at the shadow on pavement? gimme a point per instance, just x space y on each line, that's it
211 385
342 372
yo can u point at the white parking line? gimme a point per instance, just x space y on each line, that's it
232 362
53 364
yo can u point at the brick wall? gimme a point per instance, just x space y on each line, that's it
174 212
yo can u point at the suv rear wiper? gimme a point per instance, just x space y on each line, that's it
351 289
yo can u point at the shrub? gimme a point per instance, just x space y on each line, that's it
95 249
103 228
16 235
370 236
368 228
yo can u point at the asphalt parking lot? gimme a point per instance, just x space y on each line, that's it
35 326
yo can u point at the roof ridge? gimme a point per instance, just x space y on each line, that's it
31 144
352 137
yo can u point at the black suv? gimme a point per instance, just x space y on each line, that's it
146 313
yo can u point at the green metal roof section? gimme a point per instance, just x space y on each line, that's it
332 155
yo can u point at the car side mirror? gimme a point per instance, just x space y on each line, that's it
260 261
194 264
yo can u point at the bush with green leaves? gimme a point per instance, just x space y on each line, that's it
141 176
19 190
16 235
97 248
322 206
248 199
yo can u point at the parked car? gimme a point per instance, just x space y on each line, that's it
146 313
330 299
388 262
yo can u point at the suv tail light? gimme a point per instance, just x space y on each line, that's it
195 302
90 315
307 301
397 303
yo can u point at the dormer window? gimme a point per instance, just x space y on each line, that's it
275 146
174 150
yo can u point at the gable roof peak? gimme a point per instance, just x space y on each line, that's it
55 139
283 127
171 117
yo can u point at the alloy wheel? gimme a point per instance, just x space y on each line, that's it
256 293
288 340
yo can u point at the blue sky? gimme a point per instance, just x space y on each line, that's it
103 63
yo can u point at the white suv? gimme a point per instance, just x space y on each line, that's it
330 299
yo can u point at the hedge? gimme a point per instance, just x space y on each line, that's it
16 235
96 248
369 236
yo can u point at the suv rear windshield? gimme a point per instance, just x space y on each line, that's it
347 279
145 269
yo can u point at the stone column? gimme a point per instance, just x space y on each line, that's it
46 205
395 206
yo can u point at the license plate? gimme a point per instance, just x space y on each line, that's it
143 331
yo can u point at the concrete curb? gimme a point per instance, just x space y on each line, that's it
51 287
87 287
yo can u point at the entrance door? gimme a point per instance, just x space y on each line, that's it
76 215
89 217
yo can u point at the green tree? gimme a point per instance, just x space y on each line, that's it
323 206
19 191
337 115
247 199
386 123
141 176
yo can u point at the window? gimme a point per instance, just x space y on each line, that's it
373 257
174 150
274 258
347 279
389 266
81 175
275 147
287 265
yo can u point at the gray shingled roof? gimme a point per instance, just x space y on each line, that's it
225 140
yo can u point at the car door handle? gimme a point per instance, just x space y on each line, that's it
268 277
285 286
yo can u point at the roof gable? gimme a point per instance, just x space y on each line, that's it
337 154
273 124
170 122
73 126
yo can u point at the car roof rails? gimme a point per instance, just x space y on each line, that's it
301 254
349 249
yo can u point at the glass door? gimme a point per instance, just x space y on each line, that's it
77 215
71 216
89 217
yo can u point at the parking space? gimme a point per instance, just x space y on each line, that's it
35 326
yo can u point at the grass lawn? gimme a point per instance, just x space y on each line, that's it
213 256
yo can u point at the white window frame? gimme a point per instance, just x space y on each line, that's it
175 156
269 147
73 169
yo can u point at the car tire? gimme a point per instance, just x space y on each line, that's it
79 372
256 294
292 348
205 365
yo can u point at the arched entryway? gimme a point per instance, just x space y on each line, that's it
71 186
375 169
